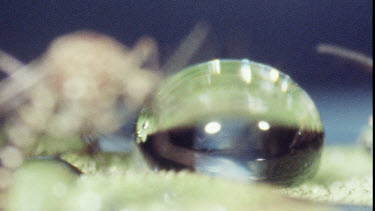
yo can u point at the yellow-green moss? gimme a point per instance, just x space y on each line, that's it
110 182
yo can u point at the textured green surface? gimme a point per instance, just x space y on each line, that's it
110 182
345 176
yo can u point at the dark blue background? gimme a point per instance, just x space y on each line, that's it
281 33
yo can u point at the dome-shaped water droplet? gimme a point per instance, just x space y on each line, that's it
232 118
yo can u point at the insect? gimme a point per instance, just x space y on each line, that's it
236 119
85 84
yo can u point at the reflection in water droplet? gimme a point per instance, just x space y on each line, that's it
212 127
274 75
246 71
247 122
284 86
263 125
215 66
224 167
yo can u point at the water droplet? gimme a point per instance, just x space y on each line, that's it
248 122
